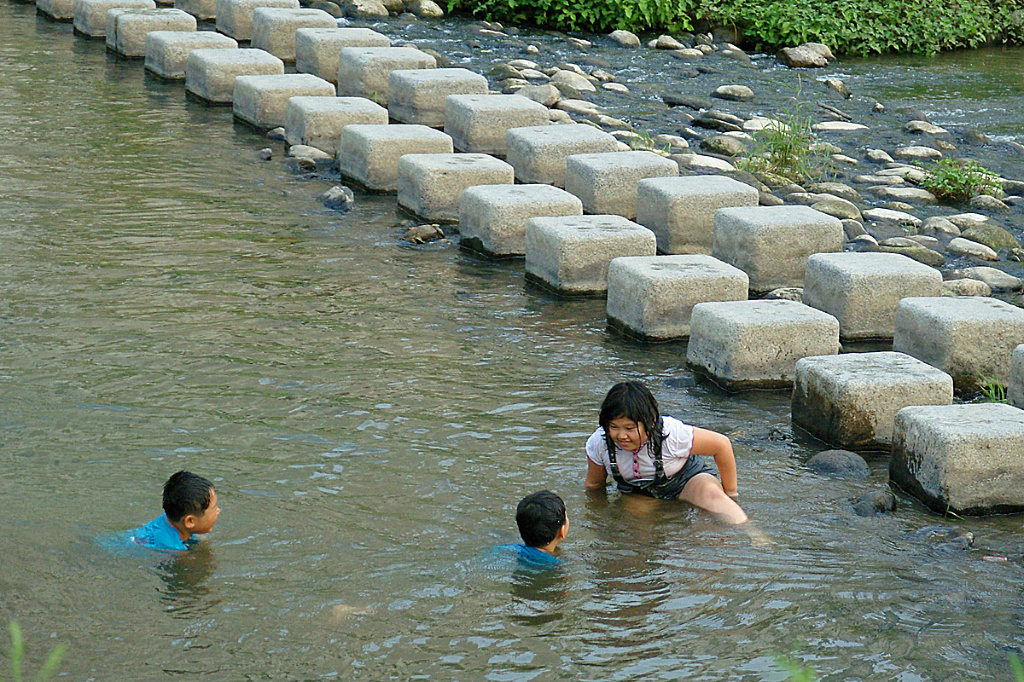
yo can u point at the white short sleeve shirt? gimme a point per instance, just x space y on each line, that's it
675 450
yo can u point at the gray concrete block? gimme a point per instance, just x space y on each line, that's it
756 344
431 185
234 17
210 73
971 338
965 459
479 123
681 210
319 121
652 297
203 10
167 51
91 15
862 290
127 28
317 50
261 100
771 243
538 153
365 71
851 400
369 154
58 10
418 95
1015 385
274 28
606 183
492 218
570 255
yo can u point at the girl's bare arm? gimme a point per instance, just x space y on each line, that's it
713 444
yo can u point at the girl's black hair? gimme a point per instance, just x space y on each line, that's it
632 400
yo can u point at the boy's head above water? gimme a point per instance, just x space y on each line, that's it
542 521
190 503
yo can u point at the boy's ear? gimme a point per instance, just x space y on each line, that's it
564 530
189 521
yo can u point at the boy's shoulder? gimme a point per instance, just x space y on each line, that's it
159 534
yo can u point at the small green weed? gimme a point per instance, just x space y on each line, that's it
16 656
1018 669
992 391
956 180
785 149
797 672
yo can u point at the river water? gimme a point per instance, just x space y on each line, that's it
371 413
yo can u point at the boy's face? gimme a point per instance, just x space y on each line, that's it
627 434
204 523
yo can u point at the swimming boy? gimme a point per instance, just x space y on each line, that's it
190 508
543 525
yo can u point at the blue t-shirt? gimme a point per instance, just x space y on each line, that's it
159 534
528 557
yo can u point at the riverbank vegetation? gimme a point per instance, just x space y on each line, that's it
846 26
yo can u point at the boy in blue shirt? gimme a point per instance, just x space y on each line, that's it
190 507
543 524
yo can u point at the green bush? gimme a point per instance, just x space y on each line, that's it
956 180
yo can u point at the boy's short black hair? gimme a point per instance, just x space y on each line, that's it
540 516
186 493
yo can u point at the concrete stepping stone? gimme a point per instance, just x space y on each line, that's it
570 255
210 73
234 17
91 15
365 71
851 400
369 153
127 28
167 51
260 101
317 50
970 338
203 10
479 123
652 297
538 153
964 459
771 243
274 28
681 210
57 10
492 218
607 182
319 121
756 344
1015 386
430 185
418 95
862 290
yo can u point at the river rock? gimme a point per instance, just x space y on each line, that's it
689 101
725 145
943 538
966 220
838 207
503 72
546 94
786 294
840 87
713 123
421 234
265 154
574 80
701 162
985 202
836 188
331 8
364 9
734 93
673 142
917 153
304 151
667 42
991 235
338 198
874 503
616 87
924 240
580 107
625 38
924 127
914 194
852 228
919 253
885 215
840 464
878 156
994 278
965 247
768 199
965 287
838 127
802 57
940 225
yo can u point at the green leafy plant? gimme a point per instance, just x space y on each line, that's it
797 672
1018 669
957 180
785 149
16 657
992 391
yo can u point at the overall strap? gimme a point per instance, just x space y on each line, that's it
659 468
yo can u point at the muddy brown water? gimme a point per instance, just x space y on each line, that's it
371 413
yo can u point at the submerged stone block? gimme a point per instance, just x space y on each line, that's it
365 71
681 210
862 290
771 243
971 338
274 28
319 121
431 185
652 297
369 154
234 17
538 153
261 100
127 28
317 50
418 95
570 255
1015 386
210 73
167 51
756 344
479 123
851 400
58 10
203 10
606 183
965 459
91 15
492 218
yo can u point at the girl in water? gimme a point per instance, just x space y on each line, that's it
658 456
